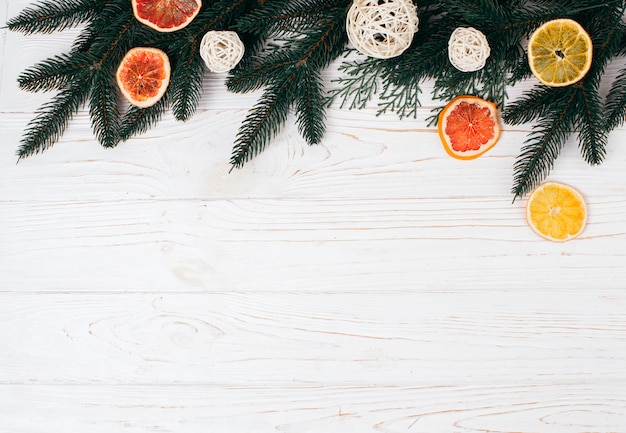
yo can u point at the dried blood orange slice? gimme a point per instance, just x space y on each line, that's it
143 76
468 127
166 15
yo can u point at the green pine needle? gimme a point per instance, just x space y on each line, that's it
47 17
309 105
104 109
591 123
616 102
186 81
262 123
54 73
52 118
288 44
137 121
545 143
291 75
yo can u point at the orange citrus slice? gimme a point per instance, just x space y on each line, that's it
556 212
468 127
143 76
560 52
166 15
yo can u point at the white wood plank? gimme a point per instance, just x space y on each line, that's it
388 337
575 406
360 157
367 284
368 244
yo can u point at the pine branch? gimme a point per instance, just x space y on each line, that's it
137 121
544 144
103 108
54 15
530 107
285 17
615 107
188 72
310 105
262 123
53 117
186 81
293 80
54 73
593 135
265 68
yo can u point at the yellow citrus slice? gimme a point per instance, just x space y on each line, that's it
468 127
166 15
560 52
556 211
143 76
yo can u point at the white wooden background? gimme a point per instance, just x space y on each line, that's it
371 283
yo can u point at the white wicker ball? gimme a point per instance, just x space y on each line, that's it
221 50
382 28
468 49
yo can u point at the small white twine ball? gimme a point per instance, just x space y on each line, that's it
221 50
468 49
382 28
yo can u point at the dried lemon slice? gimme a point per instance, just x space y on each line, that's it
560 52
556 211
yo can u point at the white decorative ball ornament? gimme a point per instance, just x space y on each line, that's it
468 49
221 50
382 28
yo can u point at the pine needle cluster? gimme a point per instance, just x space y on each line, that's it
288 45
86 74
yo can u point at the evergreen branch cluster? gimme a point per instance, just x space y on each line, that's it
86 74
290 42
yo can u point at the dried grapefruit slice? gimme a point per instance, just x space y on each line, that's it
166 15
559 52
468 127
556 212
143 76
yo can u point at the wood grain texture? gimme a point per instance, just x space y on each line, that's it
370 283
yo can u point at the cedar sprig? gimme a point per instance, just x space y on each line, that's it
358 83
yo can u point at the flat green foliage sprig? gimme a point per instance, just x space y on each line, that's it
290 42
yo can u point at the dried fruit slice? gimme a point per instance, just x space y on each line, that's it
468 127
166 15
559 52
143 76
556 211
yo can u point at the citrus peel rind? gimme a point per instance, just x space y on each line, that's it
556 212
166 15
143 76
560 52
468 127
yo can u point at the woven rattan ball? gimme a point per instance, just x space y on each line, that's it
468 49
382 28
221 50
